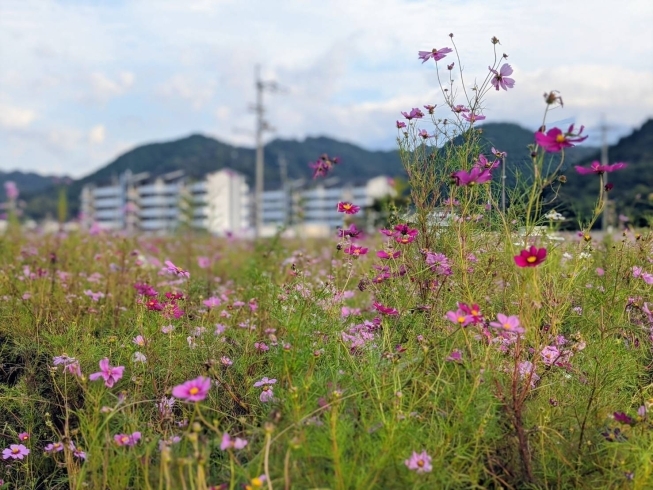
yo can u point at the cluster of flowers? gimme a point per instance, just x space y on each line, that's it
323 165
169 307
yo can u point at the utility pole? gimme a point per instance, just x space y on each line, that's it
261 126
607 211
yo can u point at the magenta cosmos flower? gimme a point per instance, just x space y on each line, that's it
15 451
355 250
472 118
267 393
555 140
507 323
459 317
414 113
194 390
500 79
435 54
403 234
597 168
129 440
530 257
348 208
108 373
419 462
475 176
385 310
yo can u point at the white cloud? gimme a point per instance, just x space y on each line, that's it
12 118
188 89
104 88
97 135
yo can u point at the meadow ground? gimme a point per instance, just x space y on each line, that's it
314 368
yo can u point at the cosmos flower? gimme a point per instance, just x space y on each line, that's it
435 54
500 79
15 451
108 373
194 390
555 140
530 257
598 169
419 462
348 208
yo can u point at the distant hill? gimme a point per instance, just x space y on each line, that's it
28 182
198 155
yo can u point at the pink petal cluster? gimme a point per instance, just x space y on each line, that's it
355 250
508 323
229 443
15 451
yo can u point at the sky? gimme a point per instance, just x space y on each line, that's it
83 81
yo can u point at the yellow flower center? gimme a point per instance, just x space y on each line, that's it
420 462
15 450
507 326
531 259
346 206
256 482
560 138
461 319
124 439
474 312
194 390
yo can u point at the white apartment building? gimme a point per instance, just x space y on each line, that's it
218 203
221 202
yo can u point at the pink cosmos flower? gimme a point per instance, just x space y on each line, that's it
474 311
455 356
352 232
507 323
11 190
598 169
229 443
348 208
23 436
430 108
53 447
15 451
129 440
419 462
550 354
194 390
473 177
404 234
170 267
484 163
500 79
555 140
355 250
436 54
472 118
424 133
401 124
212 302
382 254
414 113
531 257
459 317
459 108
498 154
108 373
267 394
385 310
203 262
